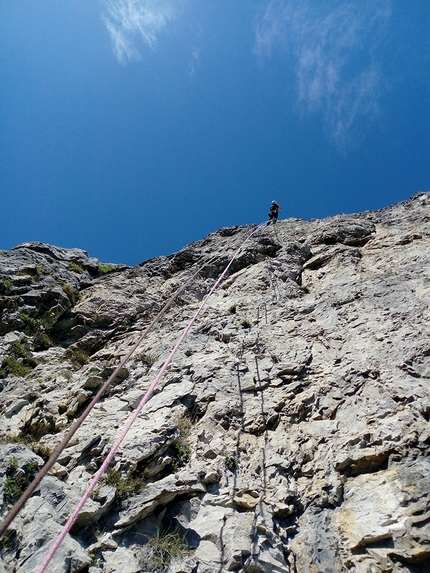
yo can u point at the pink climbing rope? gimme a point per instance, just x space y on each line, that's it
95 479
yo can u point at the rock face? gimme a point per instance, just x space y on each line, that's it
290 434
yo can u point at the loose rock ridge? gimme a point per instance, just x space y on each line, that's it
291 433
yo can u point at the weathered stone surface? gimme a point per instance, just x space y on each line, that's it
120 561
159 493
36 529
290 434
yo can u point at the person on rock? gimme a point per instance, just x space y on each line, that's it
273 213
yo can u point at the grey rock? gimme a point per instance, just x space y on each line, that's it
120 561
290 434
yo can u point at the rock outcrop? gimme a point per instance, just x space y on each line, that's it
290 434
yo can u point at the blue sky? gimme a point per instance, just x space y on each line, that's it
129 128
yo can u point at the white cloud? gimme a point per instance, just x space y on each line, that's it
333 49
194 60
129 21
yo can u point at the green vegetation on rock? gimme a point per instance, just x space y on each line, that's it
72 292
18 361
77 356
75 267
105 269
125 486
38 327
157 555
15 482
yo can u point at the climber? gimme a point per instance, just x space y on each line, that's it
273 213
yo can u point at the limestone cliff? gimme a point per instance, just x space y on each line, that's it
290 434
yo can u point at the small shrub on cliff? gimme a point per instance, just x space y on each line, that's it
9 540
13 367
105 269
18 362
96 560
42 341
31 323
182 448
5 286
184 425
72 292
38 327
13 464
77 356
19 350
232 463
32 467
11 439
15 482
75 268
156 555
183 452
39 449
125 486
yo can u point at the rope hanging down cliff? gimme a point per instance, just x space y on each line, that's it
93 482
55 455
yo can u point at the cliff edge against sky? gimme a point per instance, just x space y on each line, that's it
290 434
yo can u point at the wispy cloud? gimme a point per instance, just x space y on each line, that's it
131 21
193 60
332 47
